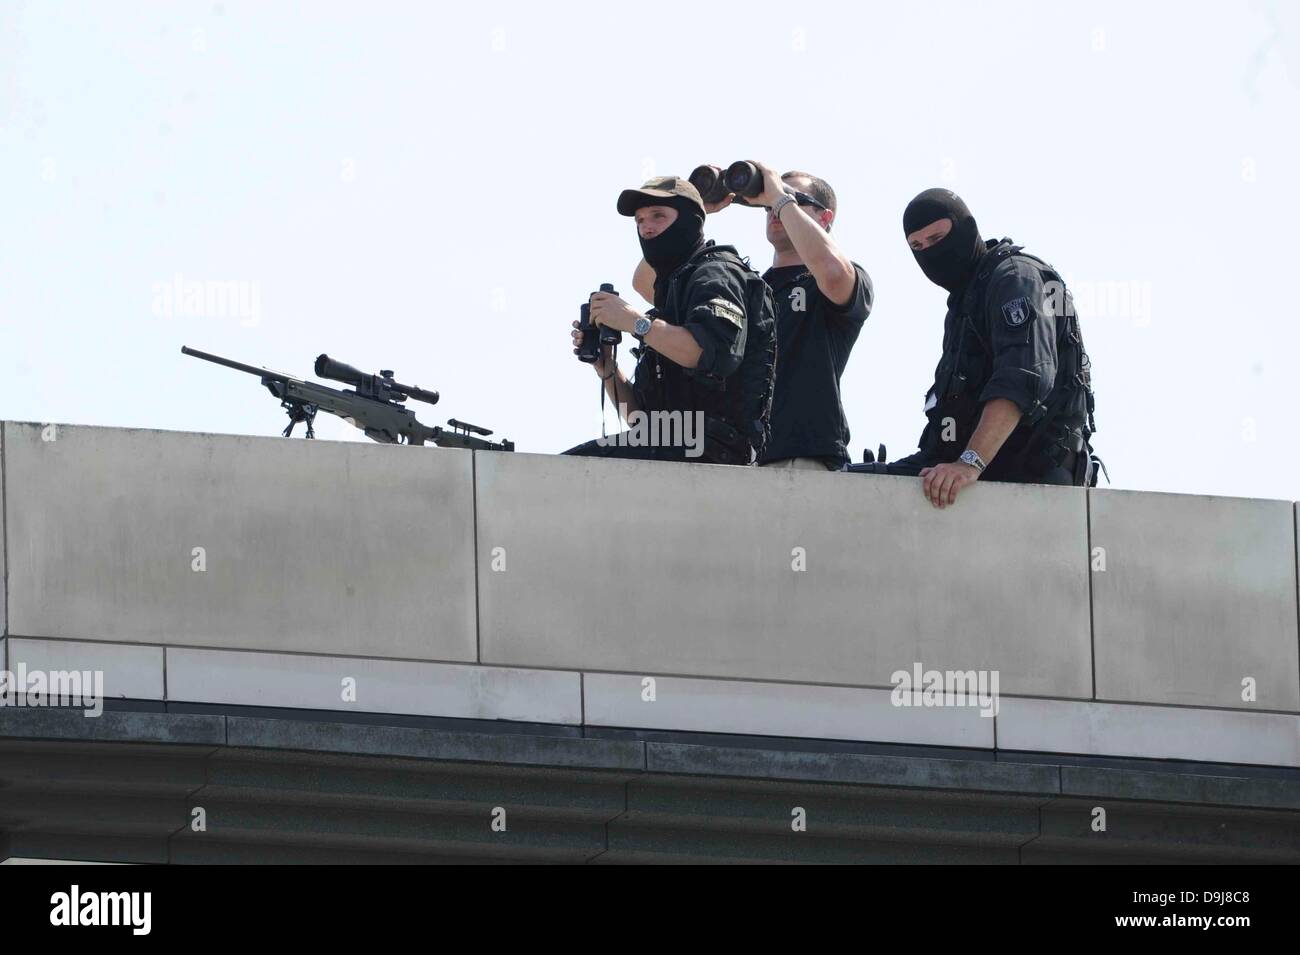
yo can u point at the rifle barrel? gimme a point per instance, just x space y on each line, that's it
237 365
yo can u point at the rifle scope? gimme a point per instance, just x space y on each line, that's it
370 385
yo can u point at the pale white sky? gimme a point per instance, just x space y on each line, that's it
431 187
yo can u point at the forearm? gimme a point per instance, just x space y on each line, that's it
674 343
619 390
998 419
830 267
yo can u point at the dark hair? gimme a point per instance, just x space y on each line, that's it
819 189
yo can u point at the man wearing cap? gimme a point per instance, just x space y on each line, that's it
822 300
1012 396
708 348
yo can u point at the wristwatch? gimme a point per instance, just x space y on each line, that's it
642 328
974 460
781 203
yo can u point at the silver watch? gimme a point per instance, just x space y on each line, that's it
974 460
642 327
781 203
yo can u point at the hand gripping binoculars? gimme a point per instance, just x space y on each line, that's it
594 337
742 178
714 183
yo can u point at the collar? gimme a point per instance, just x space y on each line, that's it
793 274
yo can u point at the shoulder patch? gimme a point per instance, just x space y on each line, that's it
729 311
1016 311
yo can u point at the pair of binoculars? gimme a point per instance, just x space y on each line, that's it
715 184
595 336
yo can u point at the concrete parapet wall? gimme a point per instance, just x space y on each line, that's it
548 589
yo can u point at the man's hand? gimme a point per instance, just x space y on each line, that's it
942 482
601 364
773 187
712 207
610 310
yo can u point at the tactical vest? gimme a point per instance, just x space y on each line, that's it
1044 438
739 405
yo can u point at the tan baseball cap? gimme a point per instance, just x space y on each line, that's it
653 193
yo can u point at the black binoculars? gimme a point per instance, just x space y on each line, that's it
742 179
714 183
595 336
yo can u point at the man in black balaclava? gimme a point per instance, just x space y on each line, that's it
949 246
703 382
1011 399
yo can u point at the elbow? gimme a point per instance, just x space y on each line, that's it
1040 390
728 366
1007 408
840 281
692 353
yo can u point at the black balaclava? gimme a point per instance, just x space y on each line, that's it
949 263
677 243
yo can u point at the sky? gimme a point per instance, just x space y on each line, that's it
430 188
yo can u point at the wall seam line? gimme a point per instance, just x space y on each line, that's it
1092 625
473 486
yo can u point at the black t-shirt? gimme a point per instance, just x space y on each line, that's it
813 339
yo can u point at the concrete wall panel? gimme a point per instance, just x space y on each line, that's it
1198 594
688 569
130 672
380 686
1150 732
778 709
319 546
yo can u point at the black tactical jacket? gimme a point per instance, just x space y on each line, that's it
728 309
1012 333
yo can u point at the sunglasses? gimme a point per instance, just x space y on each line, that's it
803 199
806 200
